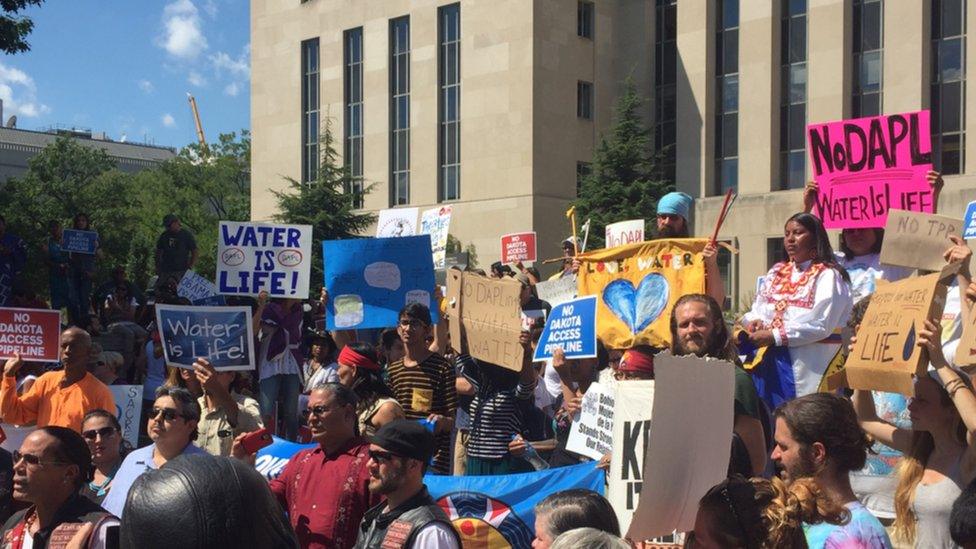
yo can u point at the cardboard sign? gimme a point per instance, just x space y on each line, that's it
490 315
557 291
679 469
624 232
198 290
966 350
591 433
886 355
128 408
436 222
969 221
79 242
571 326
866 166
637 285
518 247
222 335
33 333
370 279
396 222
256 257
633 403
918 240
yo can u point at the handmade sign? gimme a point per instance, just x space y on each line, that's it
918 240
370 279
632 406
966 350
79 242
969 221
637 285
557 291
490 317
886 355
518 247
222 335
33 333
571 326
624 232
591 433
396 222
255 257
679 469
866 166
436 222
128 408
198 290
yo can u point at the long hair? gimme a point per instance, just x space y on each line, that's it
720 345
824 252
368 385
876 249
830 420
124 445
912 466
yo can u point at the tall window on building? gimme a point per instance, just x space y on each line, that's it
353 126
584 100
665 82
399 111
949 85
449 80
775 252
868 57
727 97
793 105
584 19
310 110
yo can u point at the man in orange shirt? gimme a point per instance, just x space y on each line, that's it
61 397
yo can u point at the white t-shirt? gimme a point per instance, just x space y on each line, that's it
435 536
866 270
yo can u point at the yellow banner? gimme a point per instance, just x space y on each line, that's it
637 285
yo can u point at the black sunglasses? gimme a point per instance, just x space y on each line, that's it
104 432
319 411
169 414
32 460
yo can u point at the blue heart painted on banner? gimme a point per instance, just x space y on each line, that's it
637 308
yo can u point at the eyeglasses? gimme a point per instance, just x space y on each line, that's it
104 432
169 414
317 411
379 455
32 460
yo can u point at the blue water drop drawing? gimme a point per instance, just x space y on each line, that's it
909 347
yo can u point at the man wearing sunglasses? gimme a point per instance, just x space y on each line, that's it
409 518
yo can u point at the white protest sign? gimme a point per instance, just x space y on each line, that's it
128 408
633 404
678 468
255 257
624 232
558 291
397 222
436 222
591 433
193 287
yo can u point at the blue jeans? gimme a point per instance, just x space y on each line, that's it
283 390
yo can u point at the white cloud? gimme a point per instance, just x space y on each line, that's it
238 68
232 89
146 86
169 121
196 79
182 30
19 93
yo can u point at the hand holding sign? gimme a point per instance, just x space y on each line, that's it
930 339
13 365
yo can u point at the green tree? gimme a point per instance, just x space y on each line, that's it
624 181
14 28
323 204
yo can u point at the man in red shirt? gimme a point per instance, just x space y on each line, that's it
325 490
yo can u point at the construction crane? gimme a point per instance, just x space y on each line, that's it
196 119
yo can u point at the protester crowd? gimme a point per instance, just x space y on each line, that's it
386 407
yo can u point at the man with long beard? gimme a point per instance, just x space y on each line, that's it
673 210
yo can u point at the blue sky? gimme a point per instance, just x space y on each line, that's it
123 67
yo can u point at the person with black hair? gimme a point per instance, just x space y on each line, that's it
570 509
53 463
793 328
81 271
575 377
320 367
103 434
962 520
359 371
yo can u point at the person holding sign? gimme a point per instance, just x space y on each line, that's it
224 414
281 357
801 303
81 270
672 222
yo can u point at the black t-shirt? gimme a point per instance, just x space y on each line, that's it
176 248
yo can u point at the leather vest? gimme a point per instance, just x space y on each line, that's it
380 532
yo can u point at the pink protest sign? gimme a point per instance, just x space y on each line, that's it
866 166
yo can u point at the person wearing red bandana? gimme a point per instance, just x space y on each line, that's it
360 371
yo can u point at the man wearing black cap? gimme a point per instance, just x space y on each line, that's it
176 250
409 518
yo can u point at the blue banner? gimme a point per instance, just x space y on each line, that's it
80 242
571 326
222 335
969 221
271 459
370 279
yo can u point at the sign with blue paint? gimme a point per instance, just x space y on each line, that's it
271 459
969 221
79 242
572 327
257 257
222 335
199 290
370 279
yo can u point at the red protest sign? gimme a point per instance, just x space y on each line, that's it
34 333
518 247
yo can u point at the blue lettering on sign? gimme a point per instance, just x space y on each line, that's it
969 221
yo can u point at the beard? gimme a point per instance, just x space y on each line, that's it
389 483
671 232
694 345
804 468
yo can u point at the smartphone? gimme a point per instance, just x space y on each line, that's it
256 440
